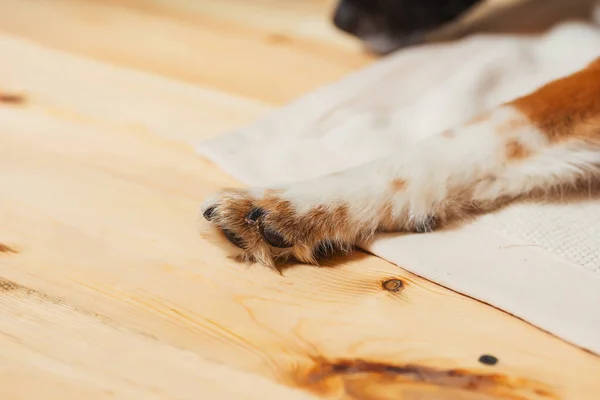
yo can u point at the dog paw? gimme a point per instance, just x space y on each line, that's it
315 219
270 225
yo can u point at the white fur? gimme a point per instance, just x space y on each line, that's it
441 170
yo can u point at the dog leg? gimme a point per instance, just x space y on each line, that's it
542 141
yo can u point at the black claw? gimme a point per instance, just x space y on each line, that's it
233 238
274 238
209 213
430 224
254 215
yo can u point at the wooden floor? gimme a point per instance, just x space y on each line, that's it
106 289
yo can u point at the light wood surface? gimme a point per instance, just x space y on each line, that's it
107 290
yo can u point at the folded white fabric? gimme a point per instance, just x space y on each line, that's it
540 262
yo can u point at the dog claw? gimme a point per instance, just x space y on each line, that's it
274 238
209 213
233 238
254 215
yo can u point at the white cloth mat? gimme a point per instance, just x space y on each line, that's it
540 262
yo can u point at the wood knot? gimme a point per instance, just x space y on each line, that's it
277 38
392 285
11 98
6 249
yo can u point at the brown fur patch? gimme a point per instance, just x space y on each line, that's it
398 184
568 107
279 220
323 222
307 231
516 151
272 203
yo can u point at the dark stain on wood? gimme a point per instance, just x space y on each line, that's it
455 378
488 359
18 290
392 285
11 98
21 290
7 286
7 249
364 380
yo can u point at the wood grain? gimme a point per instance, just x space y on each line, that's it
107 289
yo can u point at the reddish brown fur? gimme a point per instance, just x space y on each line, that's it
398 184
516 151
304 231
315 225
568 107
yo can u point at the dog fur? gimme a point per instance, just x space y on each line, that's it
545 141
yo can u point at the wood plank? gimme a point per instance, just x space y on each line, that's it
186 43
82 355
108 290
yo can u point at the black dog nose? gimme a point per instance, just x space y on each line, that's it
347 17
